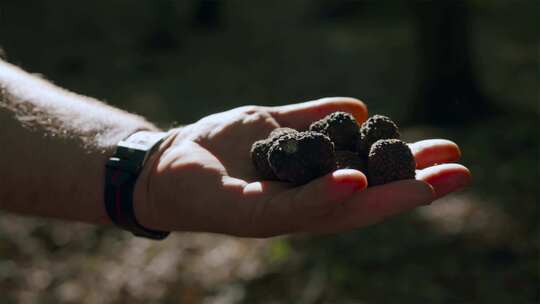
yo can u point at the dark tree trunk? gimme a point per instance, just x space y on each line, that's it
448 92
208 14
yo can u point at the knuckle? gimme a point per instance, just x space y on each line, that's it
257 114
251 109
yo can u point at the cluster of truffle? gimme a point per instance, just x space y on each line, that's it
335 142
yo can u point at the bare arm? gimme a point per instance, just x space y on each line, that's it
53 147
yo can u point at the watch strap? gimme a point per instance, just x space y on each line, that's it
122 171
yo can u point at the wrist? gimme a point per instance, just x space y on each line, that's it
145 209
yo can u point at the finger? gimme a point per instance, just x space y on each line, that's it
285 211
321 195
301 115
434 151
378 203
445 178
265 189
374 205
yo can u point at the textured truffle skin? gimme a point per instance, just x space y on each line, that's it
298 157
342 129
280 131
259 157
302 156
390 160
375 128
350 160
259 152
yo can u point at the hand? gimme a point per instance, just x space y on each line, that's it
202 179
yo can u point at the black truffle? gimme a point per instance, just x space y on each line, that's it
259 157
375 128
342 129
390 160
350 160
280 131
301 157
259 152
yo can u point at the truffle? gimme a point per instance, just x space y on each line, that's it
335 142
375 128
280 131
259 157
341 127
302 156
350 160
259 152
390 160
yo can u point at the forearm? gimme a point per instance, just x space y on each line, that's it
53 147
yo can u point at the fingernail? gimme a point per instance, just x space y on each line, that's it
341 188
445 184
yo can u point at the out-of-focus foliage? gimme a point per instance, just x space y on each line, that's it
176 61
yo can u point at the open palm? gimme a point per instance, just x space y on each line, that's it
203 179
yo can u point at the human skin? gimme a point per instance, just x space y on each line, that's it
55 145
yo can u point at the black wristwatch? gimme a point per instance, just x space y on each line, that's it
122 170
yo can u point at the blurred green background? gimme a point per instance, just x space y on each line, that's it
464 70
